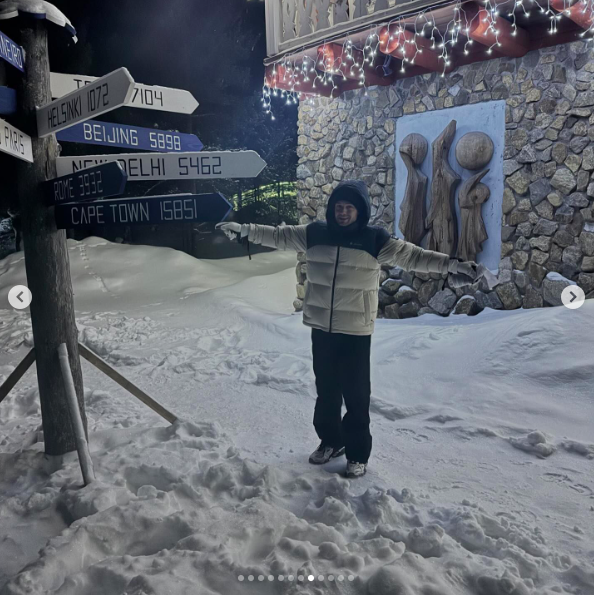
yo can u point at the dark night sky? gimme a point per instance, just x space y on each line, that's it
213 48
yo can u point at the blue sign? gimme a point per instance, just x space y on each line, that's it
93 132
11 52
8 103
149 210
87 184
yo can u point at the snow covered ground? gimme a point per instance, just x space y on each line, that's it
481 480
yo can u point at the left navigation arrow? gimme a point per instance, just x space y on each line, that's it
87 184
102 96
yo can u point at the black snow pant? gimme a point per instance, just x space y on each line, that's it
342 369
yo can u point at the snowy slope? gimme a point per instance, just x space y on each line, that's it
480 480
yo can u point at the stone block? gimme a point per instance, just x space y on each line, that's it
467 305
552 286
532 298
443 301
509 295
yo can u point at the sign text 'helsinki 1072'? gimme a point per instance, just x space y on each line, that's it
102 96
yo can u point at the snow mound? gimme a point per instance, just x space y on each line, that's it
177 509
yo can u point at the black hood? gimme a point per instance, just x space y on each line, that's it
355 192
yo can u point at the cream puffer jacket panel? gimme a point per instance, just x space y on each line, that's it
341 294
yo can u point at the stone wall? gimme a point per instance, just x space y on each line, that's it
548 215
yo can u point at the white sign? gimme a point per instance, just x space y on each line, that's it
144 96
102 96
173 166
15 143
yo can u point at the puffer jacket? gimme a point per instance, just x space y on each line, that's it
343 269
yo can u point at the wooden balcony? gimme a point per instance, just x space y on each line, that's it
291 24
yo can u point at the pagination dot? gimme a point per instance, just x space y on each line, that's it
299 577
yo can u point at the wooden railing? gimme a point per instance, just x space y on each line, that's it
291 24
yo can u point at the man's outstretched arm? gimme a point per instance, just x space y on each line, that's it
400 253
286 237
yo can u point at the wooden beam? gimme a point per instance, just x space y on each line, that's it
496 34
581 12
17 374
102 365
335 58
407 46
278 76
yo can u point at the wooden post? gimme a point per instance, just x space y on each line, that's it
46 256
16 374
82 446
102 365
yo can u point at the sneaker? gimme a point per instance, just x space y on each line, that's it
325 453
355 469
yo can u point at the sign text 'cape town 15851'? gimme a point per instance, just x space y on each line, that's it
173 166
102 181
149 210
15 143
102 96
106 134
163 99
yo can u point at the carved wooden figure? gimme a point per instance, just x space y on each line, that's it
472 195
413 151
441 221
474 150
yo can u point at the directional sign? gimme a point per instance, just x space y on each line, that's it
173 166
163 99
88 184
8 103
11 52
150 210
15 143
129 137
105 94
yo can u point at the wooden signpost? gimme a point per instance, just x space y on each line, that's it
15 143
8 102
105 134
12 52
144 96
149 210
88 184
102 96
174 166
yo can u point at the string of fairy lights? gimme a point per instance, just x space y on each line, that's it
353 61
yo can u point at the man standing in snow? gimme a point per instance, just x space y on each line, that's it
344 259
